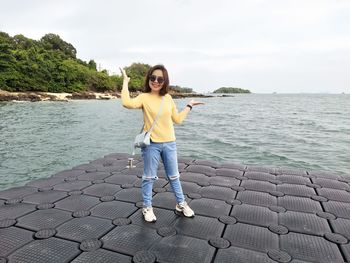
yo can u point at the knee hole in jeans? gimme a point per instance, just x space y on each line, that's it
174 177
149 178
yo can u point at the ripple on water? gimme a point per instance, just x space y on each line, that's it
299 131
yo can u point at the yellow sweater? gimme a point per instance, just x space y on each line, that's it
150 103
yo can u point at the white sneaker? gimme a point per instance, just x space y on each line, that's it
185 209
148 214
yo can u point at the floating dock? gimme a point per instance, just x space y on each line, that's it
92 213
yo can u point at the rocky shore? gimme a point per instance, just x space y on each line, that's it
87 95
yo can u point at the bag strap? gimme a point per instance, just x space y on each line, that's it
153 124
156 119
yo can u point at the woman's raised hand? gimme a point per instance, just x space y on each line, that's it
125 77
195 103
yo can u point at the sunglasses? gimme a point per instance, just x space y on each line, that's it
153 78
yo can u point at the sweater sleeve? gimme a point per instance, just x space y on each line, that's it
135 103
177 117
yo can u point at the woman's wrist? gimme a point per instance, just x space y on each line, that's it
190 106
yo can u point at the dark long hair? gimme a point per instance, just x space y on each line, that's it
165 86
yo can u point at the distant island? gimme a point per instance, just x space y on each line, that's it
231 90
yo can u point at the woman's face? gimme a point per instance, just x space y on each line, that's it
156 80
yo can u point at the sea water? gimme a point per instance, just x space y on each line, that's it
303 131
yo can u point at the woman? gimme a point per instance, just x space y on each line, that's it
163 143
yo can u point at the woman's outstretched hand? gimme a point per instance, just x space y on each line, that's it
125 77
195 103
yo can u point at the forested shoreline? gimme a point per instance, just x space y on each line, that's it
49 69
51 65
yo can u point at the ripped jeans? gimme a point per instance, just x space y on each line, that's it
151 156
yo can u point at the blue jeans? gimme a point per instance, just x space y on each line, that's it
151 156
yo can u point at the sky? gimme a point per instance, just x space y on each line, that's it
283 46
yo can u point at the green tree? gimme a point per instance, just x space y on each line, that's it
8 72
75 75
100 81
54 42
21 42
137 73
92 64
118 82
5 37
